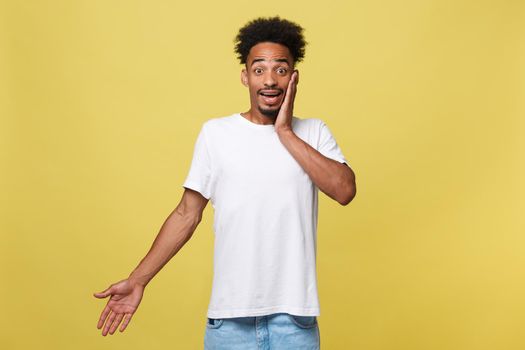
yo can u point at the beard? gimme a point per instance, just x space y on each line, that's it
271 113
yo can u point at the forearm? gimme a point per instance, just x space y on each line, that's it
335 179
174 233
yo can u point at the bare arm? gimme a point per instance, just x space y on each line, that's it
174 233
335 179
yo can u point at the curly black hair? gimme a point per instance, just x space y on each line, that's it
272 29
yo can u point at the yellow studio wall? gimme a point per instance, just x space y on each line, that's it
101 102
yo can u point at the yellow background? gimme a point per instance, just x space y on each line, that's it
101 102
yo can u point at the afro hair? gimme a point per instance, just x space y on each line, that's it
271 29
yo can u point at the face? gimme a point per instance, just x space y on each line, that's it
269 67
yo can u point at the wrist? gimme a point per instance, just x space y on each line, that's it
135 280
284 131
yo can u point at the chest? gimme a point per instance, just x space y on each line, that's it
256 160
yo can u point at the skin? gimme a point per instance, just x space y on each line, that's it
126 295
269 66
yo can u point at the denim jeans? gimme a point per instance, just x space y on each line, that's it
279 331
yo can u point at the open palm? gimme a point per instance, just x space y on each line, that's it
124 301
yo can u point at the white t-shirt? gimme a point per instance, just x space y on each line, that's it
265 215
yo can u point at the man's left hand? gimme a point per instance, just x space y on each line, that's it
284 118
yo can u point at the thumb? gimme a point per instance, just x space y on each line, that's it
103 294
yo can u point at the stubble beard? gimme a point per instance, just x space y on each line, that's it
270 113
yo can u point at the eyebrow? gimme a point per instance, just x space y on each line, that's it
275 59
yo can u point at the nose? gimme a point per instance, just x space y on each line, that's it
270 80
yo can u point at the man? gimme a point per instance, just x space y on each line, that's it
262 170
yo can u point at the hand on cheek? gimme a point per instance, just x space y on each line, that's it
284 118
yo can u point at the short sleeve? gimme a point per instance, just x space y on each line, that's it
328 146
199 175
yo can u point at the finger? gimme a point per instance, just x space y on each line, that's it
103 294
127 318
290 93
115 323
108 323
103 316
291 84
287 96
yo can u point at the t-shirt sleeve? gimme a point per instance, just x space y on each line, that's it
328 146
199 175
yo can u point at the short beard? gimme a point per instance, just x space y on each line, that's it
271 113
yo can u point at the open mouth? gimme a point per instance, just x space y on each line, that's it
271 97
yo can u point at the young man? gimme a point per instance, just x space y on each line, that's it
261 169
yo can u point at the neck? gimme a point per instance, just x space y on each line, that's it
255 116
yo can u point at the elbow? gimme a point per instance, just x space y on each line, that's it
348 197
348 193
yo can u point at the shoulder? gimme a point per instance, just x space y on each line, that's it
308 129
310 124
308 121
217 123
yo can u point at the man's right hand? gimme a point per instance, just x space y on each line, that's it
175 232
124 301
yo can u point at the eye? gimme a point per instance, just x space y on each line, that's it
281 70
258 70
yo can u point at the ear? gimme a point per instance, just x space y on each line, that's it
297 77
244 77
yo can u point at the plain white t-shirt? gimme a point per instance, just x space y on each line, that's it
265 215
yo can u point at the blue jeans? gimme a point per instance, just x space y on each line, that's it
280 331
